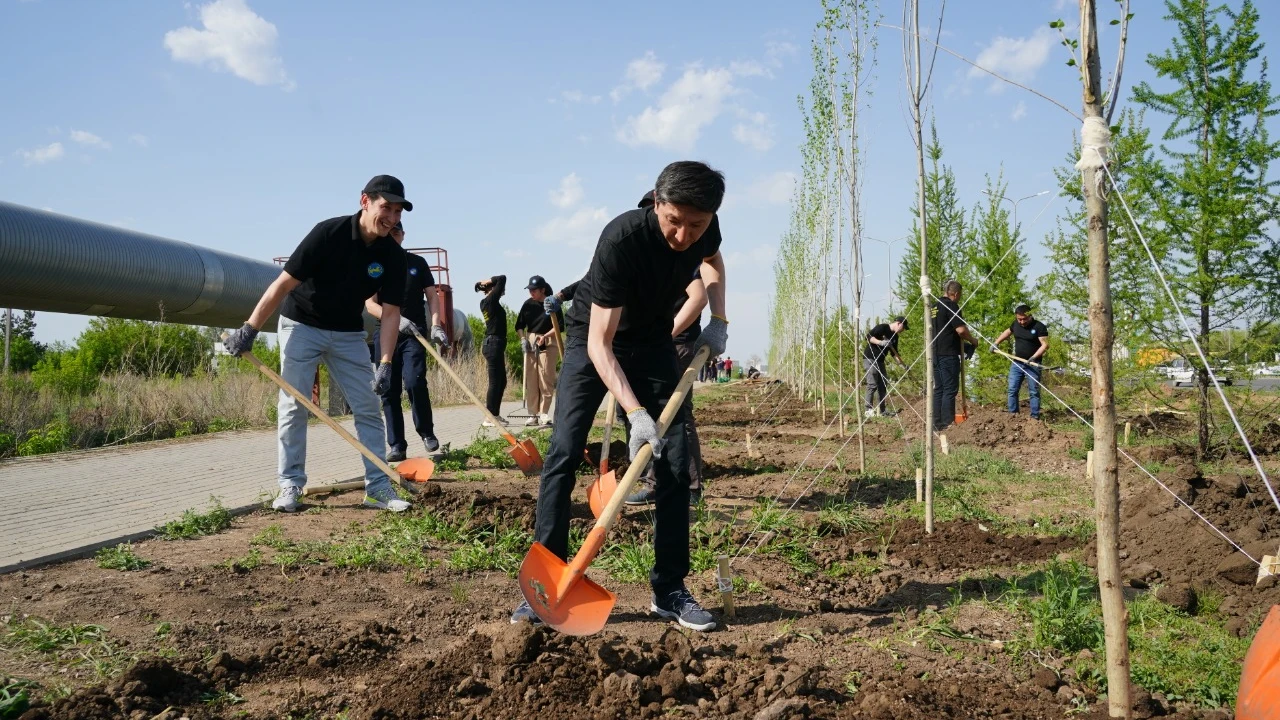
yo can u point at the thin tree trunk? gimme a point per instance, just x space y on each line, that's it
1101 331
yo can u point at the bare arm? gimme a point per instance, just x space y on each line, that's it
390 330
604 323
1003 336
271 299
713 280
373 306
692 307
433 305
1044 348
963 332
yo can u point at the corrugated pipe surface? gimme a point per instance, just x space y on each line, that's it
62 264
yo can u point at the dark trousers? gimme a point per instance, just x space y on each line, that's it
494 350
652 374
408 373
876 380
946 383
684 354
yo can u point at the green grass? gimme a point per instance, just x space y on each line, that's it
844 518
245 563
490 550
15 697
121 557
72 646
491 452
628 562
195 524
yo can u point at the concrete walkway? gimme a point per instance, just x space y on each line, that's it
69 504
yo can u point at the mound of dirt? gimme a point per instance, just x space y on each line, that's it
965 546
987 428
146 690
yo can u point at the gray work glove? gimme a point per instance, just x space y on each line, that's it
240 340
525 345
407 327
550 305
715 336
643 430
438 336
382 378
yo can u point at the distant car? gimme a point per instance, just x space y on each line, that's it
1187 376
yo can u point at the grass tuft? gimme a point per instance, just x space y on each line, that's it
195 524
121 557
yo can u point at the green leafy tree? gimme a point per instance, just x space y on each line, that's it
144 348
1216 201
24 351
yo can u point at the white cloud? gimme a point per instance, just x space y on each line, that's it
515 254
234 38
1015 58
749 68
88 138
1019 111
139 139
580 229
776 51
642 73
569 193
577 96
756 132
690 104
773 189
41 155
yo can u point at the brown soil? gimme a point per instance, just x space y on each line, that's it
396 643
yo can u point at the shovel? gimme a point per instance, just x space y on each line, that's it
601 489
964 400
524 452
560 593
421 472
555 325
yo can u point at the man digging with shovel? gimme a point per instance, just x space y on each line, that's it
321 293
619 341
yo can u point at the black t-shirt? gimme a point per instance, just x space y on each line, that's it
339 272
635 269
878 352
495 315
534 318
566 292
417 279
692 332
946 318
1026 340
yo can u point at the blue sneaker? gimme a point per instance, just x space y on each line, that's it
680 606
524 613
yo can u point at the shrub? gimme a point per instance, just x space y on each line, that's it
145 348
69 373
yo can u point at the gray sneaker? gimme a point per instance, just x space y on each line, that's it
287 500
680 606
643 496
385 499
524 613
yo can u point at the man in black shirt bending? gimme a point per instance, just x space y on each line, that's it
882 341
949 329
620 341
1030 343
409 362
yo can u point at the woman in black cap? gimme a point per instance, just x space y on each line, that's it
494 347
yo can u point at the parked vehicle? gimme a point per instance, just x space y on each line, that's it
1187 375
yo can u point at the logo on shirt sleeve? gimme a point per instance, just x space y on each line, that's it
375 270
413 271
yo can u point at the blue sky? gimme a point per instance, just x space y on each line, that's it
519 129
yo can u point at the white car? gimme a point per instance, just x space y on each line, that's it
1188 376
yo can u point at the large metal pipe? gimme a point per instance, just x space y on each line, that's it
57 263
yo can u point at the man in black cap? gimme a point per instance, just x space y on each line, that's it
949 330
320 294
620 341
1030 343
541 354
882 341
409 361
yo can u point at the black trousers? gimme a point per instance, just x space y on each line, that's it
946 383
693 446
408 373
652 375
494 349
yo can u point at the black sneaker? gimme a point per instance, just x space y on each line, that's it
432 443
679 605
395 456
643 496
524 613
695 497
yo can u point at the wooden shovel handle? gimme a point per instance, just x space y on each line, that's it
610 413
463 386
555 325
998 351
642 458
306 402
964 399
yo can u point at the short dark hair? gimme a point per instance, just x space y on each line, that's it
1022 309
952 286
692 183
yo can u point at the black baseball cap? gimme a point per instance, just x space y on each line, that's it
647 200
537 281
390 188
901 319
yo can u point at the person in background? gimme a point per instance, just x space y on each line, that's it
882 341
409 362
537 340
494 346
1030 343
949 330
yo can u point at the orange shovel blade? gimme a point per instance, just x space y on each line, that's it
525 453
416 469
585 606
600 491
1259 693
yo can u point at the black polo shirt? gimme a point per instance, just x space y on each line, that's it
534 318
694 330
1026 340
417 279
879 352
339 272
491 309
946 318
634 268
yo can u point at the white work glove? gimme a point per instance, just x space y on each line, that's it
525 345
240 339
438 336
550 304
407 327
715 336
643 430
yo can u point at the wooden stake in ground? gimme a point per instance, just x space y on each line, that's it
1095 138
724 582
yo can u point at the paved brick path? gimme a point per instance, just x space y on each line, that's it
69 504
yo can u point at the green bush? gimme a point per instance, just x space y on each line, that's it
69 373
145 348
54 437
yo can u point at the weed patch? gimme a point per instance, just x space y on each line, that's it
194 524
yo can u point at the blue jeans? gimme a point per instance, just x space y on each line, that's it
302 348
1017 371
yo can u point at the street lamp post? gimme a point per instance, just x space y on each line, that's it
888 246
1015 207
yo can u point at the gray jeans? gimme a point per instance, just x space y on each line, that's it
877 383
302 348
